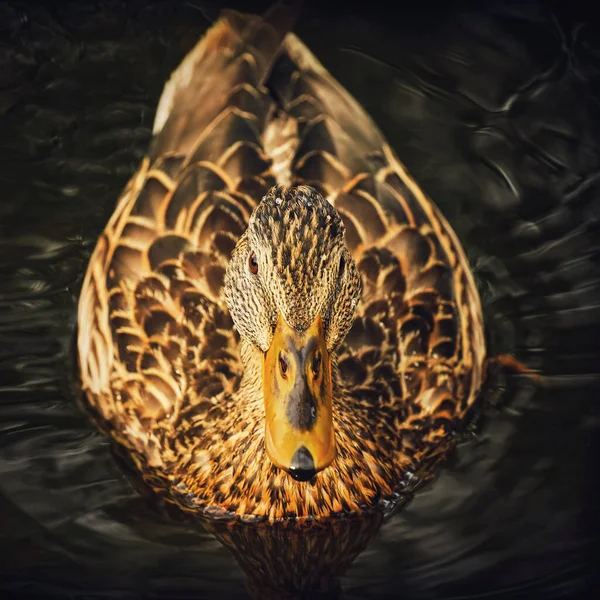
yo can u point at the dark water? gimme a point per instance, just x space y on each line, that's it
496 113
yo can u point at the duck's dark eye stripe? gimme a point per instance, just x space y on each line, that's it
252 264
342 265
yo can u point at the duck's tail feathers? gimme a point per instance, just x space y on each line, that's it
264 34
238 50
336 138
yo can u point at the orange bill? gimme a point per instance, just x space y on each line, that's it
298 400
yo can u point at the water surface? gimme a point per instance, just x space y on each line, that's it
495 113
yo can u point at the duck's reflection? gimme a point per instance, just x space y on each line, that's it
290 560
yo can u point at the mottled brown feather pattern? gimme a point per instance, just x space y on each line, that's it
163 369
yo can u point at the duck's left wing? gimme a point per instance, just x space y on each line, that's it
153 331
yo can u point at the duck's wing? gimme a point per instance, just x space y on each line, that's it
152 328
417 344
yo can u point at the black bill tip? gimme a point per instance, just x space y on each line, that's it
302 467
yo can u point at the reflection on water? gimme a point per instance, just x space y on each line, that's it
494 113
286 557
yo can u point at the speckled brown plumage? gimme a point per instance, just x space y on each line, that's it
163 369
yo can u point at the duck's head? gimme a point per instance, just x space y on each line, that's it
291 288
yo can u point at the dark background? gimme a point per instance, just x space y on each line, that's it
494 108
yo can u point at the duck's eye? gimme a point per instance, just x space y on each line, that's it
283 366
342 266
316 363
252 264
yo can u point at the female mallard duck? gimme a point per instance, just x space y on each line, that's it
276 322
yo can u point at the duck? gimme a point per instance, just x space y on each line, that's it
276 324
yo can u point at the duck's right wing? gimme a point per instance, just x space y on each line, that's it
417 344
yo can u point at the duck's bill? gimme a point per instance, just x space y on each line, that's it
299 433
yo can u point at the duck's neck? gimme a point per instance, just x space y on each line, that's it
252 359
